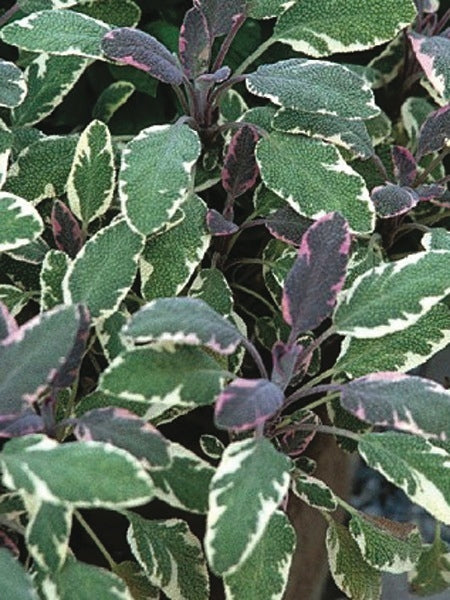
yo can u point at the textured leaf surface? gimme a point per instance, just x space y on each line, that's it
240 170
104 269
111 99
66 230
391 200
6 143
68 473
435 131
432 573
20 223
250 482
314 86
393 296
211 446
183 320
53 269
17 584
287 225
264 9
314 179
405 166
13 298
414 465
170 258
156 172
171 557
307 27
13 87
263 576
90 185
311 286
211 286
122 13
194 44
218 225
433 54
386 545
314 492
57 32
221 15
351 573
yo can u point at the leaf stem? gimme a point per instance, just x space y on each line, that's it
237 23
255 295
182 99
256 54
304 393
256 357
328 429
107 556
9 13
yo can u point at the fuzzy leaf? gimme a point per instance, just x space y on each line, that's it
16 583
414 465
156 171
265 9
218 225
246 403
90 185
405 166
314 492
287 225
57 32
52 273
171 557
121 13
66 230
138 49
13 86
393 296
307 27
211 286
318 274
435 132
351 573
240 170
249 484
314 179
403 402
194 44
314 86
185 321
104 269
111 99
20 223
386 545
47 533
221 16
432 573
433 54
68 473
264 575
391 200
17 425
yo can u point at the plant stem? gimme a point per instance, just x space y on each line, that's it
237 23
256 357
304 393
9 13
182 99
256 54
320 402
255 295
97 542
328 429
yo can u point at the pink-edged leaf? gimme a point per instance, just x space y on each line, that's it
295 441
218 76
6 541
430 191
435 131
318 274
221 14
66 230
8 324
405 166
433 55
125 430
240 170
218 225
135 48
194 44
246 403
284 361
287 225
403 402
20 424
391 200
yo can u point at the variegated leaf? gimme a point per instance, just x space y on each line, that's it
211 446
53 269
240 170
13 298
287 225
391 200
221 16
435 131
108 332
6 143
194 44
20 223
121 13
211 286
265 9
314 492
431 574
17 584
218 225
433 53
13 86
405 166
66 231
111 99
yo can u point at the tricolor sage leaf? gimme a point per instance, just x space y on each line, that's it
66 230
47 533
287 225
391 200
433 54
221 16
435 132
240 170
194 43
20 222
405 166
13 87
314 492
218 225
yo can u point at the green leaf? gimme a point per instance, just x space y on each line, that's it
388 63
437 238
330 26
263 576
414 465
431 575
108 333
16 583
386 545
170 258
314 86
211 446
156 171
57 32
90 185
250 482
185 483
414 112
264 9
111 99
314 179
20 222
314 492
400 351
351 573
104 269
69 473
163 378
13 298
41 169
6 143
171 556
393 296
53 269
13 87
29 6
121 13
211 286
49 79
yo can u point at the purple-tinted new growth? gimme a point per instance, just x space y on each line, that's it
194 44
287 225
66 230
218 225
284 360
435 131
132 47
405 166
391 200
311 287
221 14
240 170
16 425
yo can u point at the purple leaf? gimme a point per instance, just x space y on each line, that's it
318 274
430 191
218 225
435 132
221 14
284 360
132 47
17 425
218 76
295 442
403 402
287 225
405 166
194 44
125 430
66 230
391 200
8 324
240 170
246 403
